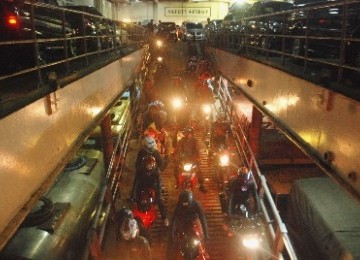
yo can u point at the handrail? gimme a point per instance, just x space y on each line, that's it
341 46
239 130
111 190
65 51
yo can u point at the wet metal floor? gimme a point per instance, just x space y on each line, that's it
220 245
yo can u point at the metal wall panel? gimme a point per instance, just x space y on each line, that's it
321 119
35 142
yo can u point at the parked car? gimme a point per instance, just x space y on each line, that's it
18 47
325 25
121 34
232 21
262 30
88 22
167 30
192 31
213 26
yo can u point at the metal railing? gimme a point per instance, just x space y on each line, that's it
111 192
52 44
277 231
318 39
111 189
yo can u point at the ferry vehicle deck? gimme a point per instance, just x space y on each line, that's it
70 136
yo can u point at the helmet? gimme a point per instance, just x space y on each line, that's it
129 229
150 163
244 173
155 106
156 103
193 58
189 130
243 170
124 214
149 144
186 198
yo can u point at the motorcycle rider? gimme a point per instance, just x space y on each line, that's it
148 176
188 148
203 93
153 115
191 66
201 82
219 131
149 148
154 122
188 213
130 243
178 33
242 188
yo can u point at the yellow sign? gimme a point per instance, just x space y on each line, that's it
188 11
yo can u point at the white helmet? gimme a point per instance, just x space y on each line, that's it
129 229
149 144
157 103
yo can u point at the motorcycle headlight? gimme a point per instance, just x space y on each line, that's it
159 43
187 167
191 250
224 160
177 103
251 241
196 242
206 109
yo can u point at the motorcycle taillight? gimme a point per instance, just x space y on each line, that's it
12 21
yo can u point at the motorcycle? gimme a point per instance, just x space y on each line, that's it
187 176
158 47
245 226
207 116
244 200
177 34
144 208
249 232
190 243
222 168
179 103
159 137
191 66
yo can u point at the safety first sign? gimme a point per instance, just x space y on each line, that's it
188 11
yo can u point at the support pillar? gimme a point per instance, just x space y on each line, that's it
108 146
255 132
